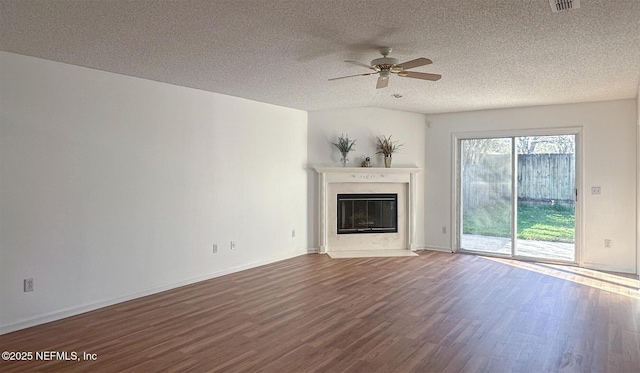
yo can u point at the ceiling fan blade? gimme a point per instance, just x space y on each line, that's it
383 82
351 76
415 63
360 64
417 75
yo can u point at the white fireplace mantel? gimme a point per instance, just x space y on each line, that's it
398 175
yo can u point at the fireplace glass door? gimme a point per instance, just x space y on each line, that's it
367 213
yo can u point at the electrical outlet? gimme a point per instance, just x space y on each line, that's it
215 248
293 233
28 284
596 190
607 242
233 245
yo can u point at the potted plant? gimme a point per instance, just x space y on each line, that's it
387 147
344 145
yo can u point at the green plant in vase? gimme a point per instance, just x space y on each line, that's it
386 147
344 145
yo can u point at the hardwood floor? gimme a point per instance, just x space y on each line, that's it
434 313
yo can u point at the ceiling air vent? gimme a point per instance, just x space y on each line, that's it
562 5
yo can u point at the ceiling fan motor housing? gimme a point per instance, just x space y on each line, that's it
384 63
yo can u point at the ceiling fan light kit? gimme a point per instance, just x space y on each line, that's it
563 5
387 65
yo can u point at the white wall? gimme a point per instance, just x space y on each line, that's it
638 182
364 124
608 140
114 187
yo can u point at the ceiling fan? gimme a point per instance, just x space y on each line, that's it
386 65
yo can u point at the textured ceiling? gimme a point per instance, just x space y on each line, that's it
490 53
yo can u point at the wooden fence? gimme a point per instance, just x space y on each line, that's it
541 178
546 177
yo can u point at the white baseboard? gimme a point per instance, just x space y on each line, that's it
82 308
608 268
436 248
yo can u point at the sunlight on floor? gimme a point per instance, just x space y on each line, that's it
611 282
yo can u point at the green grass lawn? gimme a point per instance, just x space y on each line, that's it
553 223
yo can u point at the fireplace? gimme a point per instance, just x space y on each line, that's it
358 181
367 213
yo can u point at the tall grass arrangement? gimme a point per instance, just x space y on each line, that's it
386 146
344 144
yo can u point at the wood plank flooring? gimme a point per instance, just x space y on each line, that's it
437 312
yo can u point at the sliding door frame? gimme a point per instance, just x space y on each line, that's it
456 182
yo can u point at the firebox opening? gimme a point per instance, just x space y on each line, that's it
367 213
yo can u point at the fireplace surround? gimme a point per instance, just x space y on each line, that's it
354 180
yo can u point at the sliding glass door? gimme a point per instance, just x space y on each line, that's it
486 195
546 184
517 196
